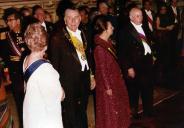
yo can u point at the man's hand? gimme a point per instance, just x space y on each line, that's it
109 92
170 27
93 82
62 95
131 73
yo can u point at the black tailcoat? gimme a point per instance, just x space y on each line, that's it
131 55
145 19
75 83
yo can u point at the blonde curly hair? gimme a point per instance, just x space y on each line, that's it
36 37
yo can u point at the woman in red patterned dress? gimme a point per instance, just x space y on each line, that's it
112 103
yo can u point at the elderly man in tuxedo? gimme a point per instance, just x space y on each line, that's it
136 61
68 54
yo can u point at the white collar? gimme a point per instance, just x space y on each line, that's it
44 25
138 28
147 11
173 6
135 25
77 32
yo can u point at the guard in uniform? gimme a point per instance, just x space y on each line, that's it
16 50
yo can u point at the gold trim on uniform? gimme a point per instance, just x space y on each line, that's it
15 58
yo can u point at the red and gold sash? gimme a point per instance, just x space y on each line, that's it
143 38
150 20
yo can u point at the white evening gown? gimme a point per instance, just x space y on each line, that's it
42 102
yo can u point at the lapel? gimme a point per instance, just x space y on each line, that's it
152 13
84 40
49 27
85 44
178 14
134 33
147 35
70 45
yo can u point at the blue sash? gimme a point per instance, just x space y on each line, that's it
32 68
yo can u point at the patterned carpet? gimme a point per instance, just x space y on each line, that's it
160 94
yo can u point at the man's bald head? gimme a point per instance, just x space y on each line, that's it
135 16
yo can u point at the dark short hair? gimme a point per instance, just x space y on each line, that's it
145 1
100 24
100 2
71 8
35 8
162 5
62 6
23 9
11 11
83 8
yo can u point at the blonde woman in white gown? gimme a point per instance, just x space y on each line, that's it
43 91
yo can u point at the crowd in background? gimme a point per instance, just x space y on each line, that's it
127 53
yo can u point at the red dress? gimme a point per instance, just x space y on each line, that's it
111 111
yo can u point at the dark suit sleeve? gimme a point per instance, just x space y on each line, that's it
55 51
171 15
123 50
4 52
50 27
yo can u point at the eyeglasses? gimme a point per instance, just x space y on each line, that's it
9 20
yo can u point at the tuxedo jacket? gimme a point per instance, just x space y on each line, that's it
50 27
131 50
172 15
145 19
64 58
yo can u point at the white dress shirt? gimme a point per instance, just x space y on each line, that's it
139 29
83 62
44 25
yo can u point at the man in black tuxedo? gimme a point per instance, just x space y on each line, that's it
174 11
148 15
39 14
68 54
149 18
136 61
174 14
